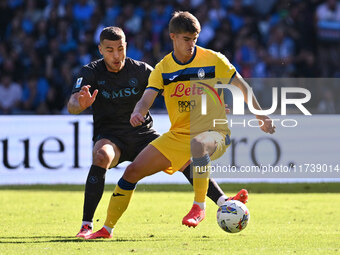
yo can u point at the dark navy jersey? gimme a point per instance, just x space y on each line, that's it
117 96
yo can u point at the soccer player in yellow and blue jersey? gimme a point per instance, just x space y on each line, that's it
188 137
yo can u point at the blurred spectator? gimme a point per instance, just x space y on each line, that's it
112 10
34 95
82 11
160 16
135 49
216 13
41 37
280 53
32 14
306 65
263 7
207 27
15 3
224 40
11 68
55 101
133 22
246 56
10 94
237 15
6 15
298 25
65 37
260 67
328 30
56 6
84 56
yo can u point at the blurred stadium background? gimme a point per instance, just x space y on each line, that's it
43 43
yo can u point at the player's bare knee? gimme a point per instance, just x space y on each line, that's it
102 158
198 148
132 174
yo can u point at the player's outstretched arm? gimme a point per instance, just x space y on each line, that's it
142 107
266 124
81 100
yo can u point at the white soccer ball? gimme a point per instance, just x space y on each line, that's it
233 216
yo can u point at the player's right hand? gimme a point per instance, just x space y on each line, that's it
266 124
136 119
85 98
227 110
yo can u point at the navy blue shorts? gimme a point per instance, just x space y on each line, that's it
130 144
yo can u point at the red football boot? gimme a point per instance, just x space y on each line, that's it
84 231
102 233
194 217
241 196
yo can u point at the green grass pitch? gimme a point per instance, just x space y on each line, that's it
284 219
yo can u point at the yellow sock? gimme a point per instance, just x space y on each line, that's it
119 201
201 182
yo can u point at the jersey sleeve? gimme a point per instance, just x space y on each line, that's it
85 77
148 68
156 80
147 71
225 68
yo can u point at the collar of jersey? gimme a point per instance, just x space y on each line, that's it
180 63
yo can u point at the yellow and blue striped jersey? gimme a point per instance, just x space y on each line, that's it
184 85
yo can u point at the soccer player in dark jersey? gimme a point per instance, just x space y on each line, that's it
112 86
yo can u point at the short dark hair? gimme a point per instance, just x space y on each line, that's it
112 34
184 22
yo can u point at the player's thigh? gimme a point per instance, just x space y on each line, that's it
185 166
148 162
106 152
205 143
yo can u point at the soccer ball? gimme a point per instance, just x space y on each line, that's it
233 216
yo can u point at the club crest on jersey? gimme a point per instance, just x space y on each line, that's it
201 74
78 82
133 82
101 82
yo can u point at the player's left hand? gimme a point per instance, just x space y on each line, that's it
266 124
136 119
